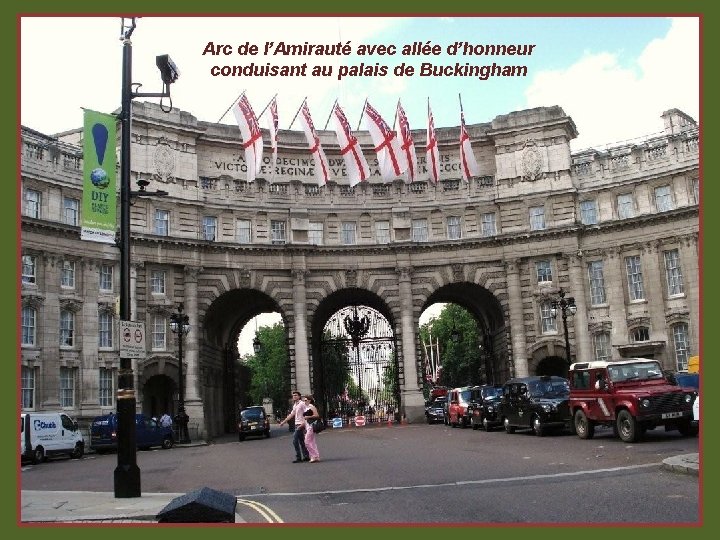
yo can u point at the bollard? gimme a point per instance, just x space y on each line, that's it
204 505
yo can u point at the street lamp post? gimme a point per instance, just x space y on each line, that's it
565 305
127 473
180 325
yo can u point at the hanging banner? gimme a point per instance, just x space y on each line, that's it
99 215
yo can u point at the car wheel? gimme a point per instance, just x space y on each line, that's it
241 438
537 426
267 434
428 420
688 429
508 427
38 455
78 451
485 424
583 427
627 427
167 443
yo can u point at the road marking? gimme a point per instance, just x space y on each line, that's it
263 510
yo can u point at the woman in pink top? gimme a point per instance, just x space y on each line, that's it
310 415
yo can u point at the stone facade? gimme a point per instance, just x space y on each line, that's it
616 229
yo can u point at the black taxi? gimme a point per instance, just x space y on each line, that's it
539 403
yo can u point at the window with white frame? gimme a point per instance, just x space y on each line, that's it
209 228
105 330
157 281
67 387
382 232
625 206
537 218
159 326
347 233
673 272
680 342
67 274
162 222
419 230
487 222
29 268
27 392
634 277
105 389
243 231
601 342
32 199
277 231
29 325
71 211
641 333
588 212
543 271
454 229
663 199
548 322
696 190
315 233
67 328
596 273
106 278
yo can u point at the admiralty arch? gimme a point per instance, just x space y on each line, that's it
616 228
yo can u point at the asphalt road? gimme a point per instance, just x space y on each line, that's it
416 474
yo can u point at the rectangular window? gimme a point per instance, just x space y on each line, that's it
243 231
105 392
28 387
277 231
71 211
537 218
209 228
157 282
32 201
602 346
680 340
641 333
28 269
419 230
29 317
597 283
663 199
696 190
488 224
588 213
543 270
625 206
673 272
67 274
347 233
162 222
315 233
67 328
105 330
106 278
549 323
454 230
158 333
634 278
382 232
67 387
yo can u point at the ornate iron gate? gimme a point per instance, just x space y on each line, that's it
359 373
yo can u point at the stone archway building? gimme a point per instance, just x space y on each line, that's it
617 229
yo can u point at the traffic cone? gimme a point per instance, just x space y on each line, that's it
389 422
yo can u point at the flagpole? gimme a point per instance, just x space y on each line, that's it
329 115
266 106
230 107
298 112
361 114
396 113
460 99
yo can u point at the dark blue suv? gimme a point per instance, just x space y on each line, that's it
148 433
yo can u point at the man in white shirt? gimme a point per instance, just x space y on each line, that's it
298 411
165 420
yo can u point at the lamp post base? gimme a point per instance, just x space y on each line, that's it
127 481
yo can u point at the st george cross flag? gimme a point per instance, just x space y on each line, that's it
355 163
391 158
433 155
322 169
273 122
406 144
468 164
252 138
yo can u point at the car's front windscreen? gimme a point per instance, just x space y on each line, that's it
251 415
635 371
492 392
550 389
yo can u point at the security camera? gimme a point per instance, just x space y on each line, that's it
168 70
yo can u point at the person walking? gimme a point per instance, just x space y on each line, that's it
311 414
166 420
298 412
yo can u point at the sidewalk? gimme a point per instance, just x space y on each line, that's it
685 463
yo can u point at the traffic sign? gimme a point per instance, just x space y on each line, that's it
359 421
132 339
337 422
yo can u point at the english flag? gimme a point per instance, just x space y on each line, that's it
433 156
391 158
355 162
252 138
322 169
406 144
273 120
468 163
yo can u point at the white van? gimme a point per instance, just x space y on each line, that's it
47 434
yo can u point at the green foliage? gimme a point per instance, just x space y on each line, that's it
269 368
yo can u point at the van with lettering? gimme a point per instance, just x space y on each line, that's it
49 434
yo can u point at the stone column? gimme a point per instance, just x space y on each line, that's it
411 392
88 383
194 405
689 260
48 325
583 348
615 286
302 358
517 323
655 287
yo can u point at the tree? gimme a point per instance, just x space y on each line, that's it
269 367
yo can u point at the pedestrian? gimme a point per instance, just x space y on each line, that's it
166 420
311 414
297 413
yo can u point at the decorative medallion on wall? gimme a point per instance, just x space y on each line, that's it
164 159
531 162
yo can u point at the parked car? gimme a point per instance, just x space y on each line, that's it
689 380
458 400
253 422
435 410
539 403
49 433
148 433
483 410
630 395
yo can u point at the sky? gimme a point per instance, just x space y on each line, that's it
613 75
